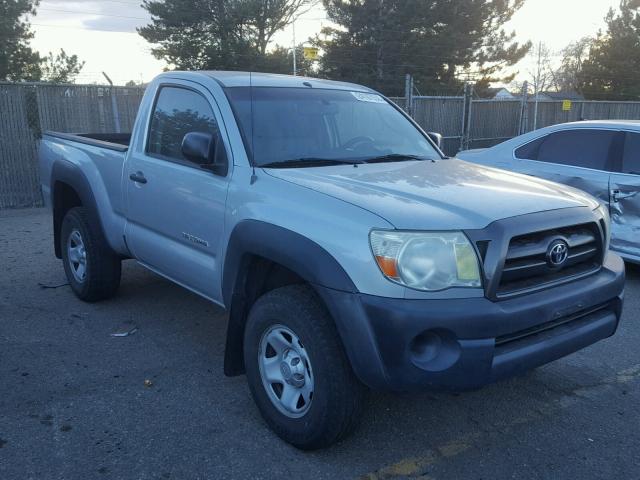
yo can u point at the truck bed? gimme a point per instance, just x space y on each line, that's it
96 158
112 141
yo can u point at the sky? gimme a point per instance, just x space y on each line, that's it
103 33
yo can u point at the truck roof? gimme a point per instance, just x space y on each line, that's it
245 79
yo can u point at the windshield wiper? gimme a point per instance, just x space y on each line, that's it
320 162
312 162
394 157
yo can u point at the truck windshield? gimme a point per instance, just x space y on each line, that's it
311 127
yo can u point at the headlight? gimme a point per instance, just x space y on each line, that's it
603 210
426 260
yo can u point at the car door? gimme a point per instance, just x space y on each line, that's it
625 199
580 157
175 208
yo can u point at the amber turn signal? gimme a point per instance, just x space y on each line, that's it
388 266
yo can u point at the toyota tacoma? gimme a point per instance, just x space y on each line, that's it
349 252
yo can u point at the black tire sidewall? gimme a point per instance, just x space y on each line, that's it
103 265
73 221
308 431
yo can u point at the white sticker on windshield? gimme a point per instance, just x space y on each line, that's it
368 97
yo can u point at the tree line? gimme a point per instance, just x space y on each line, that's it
605 66
374 42
442 43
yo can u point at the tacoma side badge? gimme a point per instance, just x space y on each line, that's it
194 239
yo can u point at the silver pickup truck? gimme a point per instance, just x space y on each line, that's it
348 251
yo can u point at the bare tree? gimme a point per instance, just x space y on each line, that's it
542 76
567 75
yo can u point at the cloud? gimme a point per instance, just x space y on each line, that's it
111 16
114 24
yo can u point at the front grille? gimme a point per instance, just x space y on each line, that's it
526 266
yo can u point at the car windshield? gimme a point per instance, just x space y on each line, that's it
311 127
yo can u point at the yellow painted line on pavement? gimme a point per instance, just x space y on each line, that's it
415 467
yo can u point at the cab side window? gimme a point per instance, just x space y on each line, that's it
177 112
631 154
581 148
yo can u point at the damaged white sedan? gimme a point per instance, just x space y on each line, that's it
599 157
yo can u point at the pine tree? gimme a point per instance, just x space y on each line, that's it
379 41
17 60
612 68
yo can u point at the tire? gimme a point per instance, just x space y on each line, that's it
83 244
337 397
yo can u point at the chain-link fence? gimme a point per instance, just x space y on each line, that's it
26 110
18 147
476 123
491 122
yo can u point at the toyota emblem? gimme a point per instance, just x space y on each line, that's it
557 253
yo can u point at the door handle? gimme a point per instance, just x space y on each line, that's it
138 177
616 195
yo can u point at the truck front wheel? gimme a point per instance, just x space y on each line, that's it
298 372
92 269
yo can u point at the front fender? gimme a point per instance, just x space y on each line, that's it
290 249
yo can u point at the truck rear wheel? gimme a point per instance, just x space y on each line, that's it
298 372
92 269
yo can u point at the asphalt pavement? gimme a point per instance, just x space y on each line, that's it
79 403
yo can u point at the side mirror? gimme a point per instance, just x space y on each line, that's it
204 149
435 138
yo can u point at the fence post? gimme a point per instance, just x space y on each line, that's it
114 103
465 138
524 109
114 108
408 93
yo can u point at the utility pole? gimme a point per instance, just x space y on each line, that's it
537 85
295 63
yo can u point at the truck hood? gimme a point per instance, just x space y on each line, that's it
471 152
445 194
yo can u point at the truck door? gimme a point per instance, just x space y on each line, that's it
175 208
625 199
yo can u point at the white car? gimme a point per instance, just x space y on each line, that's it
599 157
